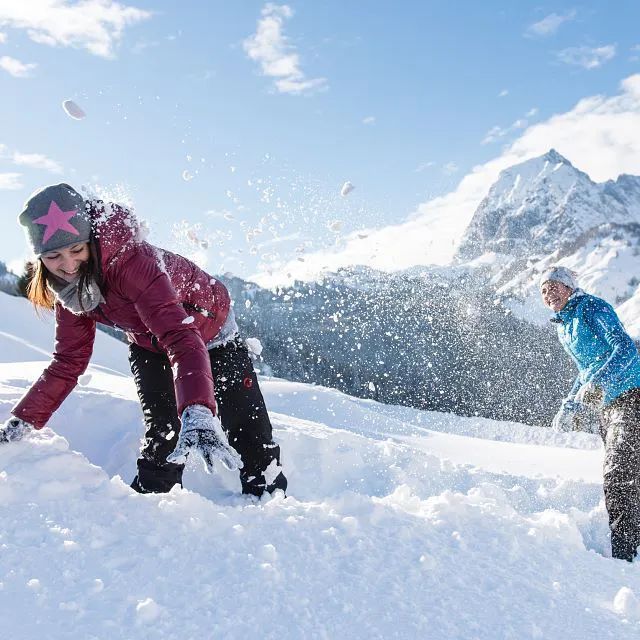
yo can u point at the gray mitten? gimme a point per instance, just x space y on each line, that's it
564 419
202 433
14 429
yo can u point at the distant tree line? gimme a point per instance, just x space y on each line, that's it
409 340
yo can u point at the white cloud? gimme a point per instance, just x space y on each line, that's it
594 135
277 57
587 57
450 168
94 25
503 93
532 112
10 181
549 24
423 166
497 132
16 68
493 134
3 37
36 161
369 120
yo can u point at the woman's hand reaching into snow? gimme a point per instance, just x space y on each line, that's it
14 429
202 433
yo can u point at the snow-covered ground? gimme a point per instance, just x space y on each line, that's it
398 524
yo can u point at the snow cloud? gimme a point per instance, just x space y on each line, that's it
10 181
277 57
16 68
594 135
587 57
549 24
94 25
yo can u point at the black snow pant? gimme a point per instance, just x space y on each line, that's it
620 430
241 409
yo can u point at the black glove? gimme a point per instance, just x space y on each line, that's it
14 429
202 433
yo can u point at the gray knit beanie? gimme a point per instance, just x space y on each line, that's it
54 217
559 274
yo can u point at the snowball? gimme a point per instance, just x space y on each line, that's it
84 379
97 586
187 175
347 188
254 345
147 610
73 110
335 225
626 603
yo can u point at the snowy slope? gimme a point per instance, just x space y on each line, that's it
398 524
22 332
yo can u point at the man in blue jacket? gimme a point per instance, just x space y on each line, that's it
608 382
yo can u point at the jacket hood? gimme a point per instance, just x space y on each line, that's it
114 229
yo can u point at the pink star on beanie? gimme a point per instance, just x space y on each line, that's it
57 219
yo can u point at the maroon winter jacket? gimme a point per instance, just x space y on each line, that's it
161 300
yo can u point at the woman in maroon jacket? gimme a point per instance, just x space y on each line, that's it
93 266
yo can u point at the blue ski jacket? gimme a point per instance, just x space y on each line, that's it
606 356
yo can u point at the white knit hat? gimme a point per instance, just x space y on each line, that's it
559 274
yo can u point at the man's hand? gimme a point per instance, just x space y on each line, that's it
202 433
14 429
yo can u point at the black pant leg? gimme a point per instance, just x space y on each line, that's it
244 417
621 433
154 382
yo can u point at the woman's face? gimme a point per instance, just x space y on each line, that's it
65 263
555 294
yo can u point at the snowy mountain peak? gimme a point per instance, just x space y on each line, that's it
543 203
626 190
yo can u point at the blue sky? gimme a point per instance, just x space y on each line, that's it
270 108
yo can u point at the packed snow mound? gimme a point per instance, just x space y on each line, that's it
398 524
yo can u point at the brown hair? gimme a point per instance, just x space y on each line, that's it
37 290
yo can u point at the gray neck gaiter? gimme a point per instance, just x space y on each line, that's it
67 294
